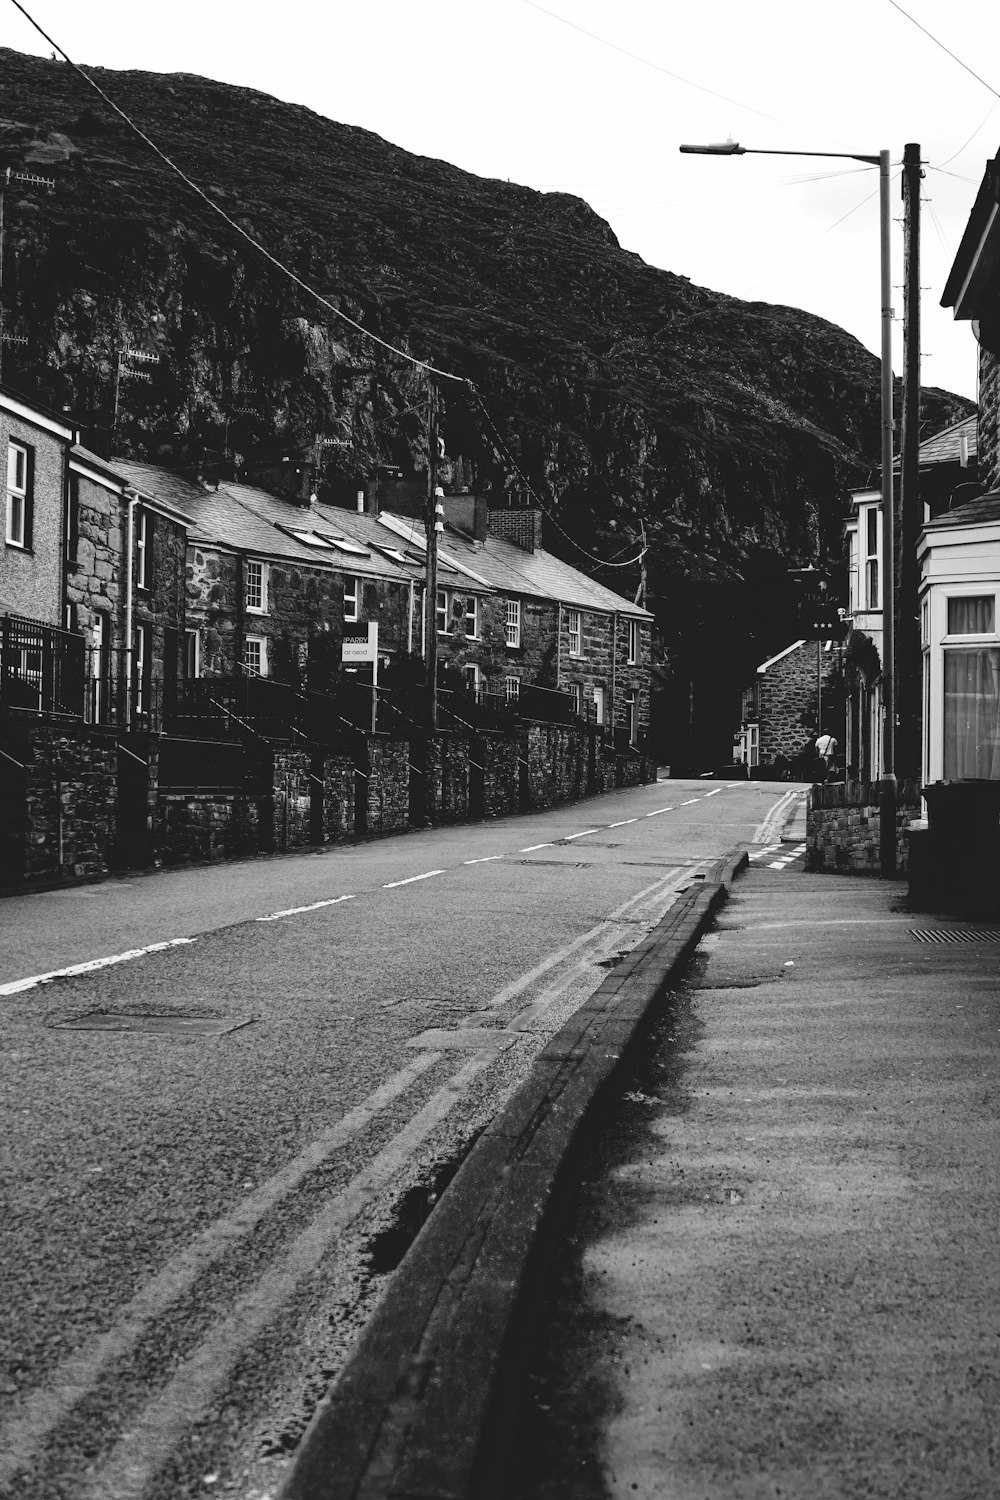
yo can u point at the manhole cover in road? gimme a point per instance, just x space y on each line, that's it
171 1025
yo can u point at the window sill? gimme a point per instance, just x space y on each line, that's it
18 546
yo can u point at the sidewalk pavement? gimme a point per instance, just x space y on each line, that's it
781 1273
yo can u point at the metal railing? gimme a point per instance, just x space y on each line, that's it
42 669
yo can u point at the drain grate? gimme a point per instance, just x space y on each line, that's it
956 934
171 1025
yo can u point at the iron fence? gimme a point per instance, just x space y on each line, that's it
42 669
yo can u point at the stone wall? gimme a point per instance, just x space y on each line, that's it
58 815
95 575
386 764
292 800
500 761
77 803
846 839
556 757
207 829
989 419
788 699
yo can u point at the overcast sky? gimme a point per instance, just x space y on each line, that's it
594 98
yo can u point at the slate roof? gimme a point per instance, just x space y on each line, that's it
240 517
243 518
509 569
946 447
978 512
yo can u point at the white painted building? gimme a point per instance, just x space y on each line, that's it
959 561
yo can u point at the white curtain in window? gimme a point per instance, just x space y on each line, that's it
971 616
972 714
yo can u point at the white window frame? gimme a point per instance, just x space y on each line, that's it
259 642
868 602
260 592
512 689
632 656
599 703
142 570
142 666
18 498
575 690
574 631
192 653
513 624
442 608
473 676
352 598
472 617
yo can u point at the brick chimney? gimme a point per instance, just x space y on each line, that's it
520 524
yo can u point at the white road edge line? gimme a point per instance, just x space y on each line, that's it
392 884
293 911
15 986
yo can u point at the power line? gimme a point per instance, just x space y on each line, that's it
659 68
591 557
972 137
421 364
937 43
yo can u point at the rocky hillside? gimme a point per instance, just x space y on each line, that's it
624 394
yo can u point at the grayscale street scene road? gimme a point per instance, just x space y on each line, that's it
218 1147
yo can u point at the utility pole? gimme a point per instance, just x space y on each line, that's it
908 664
431 527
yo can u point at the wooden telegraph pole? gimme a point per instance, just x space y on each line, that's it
908 649
431 528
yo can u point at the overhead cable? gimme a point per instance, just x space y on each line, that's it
937 43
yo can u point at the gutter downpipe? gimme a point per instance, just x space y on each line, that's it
132 497
887 785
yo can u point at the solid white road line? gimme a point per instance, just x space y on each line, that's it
15 986
155 1432
75 1377
391 885
293 911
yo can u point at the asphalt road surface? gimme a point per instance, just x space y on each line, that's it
233 1094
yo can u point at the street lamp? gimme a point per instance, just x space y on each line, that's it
887 784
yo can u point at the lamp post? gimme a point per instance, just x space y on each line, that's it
887 784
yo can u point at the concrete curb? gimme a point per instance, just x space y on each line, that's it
419 1411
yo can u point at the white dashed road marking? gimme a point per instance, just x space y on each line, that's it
293 911
623 822
690 802
485 860
582 835
392 884
657 810
532 847
15 986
